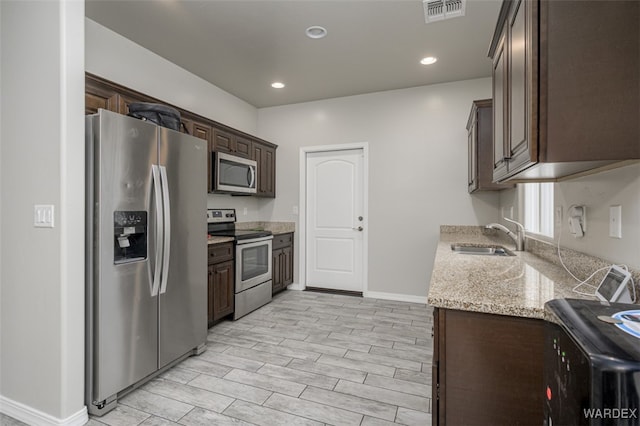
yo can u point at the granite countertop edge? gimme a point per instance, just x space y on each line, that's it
277 228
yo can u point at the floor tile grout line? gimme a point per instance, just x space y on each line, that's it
385 316
345 409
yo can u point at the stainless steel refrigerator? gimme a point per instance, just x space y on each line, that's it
146 265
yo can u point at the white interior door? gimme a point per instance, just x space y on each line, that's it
335 219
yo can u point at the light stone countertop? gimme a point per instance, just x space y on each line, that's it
504 285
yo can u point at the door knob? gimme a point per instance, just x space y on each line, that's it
359 228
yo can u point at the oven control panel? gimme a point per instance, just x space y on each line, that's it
221 215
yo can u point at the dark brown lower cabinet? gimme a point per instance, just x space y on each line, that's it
282 268
487 369
220 294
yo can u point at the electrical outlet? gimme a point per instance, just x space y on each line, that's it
615 221
295 210
244 211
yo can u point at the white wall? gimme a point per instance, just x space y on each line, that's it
42 162
598 192
116 58
120 60
418 170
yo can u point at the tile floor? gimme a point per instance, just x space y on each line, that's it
304 359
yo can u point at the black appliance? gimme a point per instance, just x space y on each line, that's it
591 364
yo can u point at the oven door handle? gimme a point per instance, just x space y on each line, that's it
253 240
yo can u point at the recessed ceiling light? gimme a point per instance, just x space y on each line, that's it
429 60
277 85
316 32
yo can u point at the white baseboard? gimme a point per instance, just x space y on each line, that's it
396 297
295 286
34 417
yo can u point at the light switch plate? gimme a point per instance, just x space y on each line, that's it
43 216
615 221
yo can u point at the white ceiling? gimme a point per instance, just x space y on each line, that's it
243 46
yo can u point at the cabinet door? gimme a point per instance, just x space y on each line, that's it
210 286
265 156
202 131
437 380
223 141
480 128
223 281
287 266
243 147
95 98
519 116
499 108
219 253
124 101
276 271
472 146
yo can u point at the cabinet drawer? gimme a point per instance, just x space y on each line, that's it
282 240
220 253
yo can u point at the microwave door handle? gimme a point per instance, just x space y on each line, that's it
167 229
252 176
155 176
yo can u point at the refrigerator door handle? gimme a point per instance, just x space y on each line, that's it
167 229
155 174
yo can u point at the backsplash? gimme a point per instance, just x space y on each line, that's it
247 207
597 192
581 265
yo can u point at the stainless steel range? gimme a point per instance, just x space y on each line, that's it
253 285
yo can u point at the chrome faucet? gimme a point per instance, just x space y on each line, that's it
518 237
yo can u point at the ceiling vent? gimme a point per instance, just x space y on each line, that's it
438 10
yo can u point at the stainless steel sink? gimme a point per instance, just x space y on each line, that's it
481 249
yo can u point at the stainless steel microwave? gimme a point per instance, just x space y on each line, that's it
233 174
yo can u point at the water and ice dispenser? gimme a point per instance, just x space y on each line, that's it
129 236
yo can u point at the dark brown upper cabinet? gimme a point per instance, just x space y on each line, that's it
265 156
566 90
480 132
101 93
226 141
